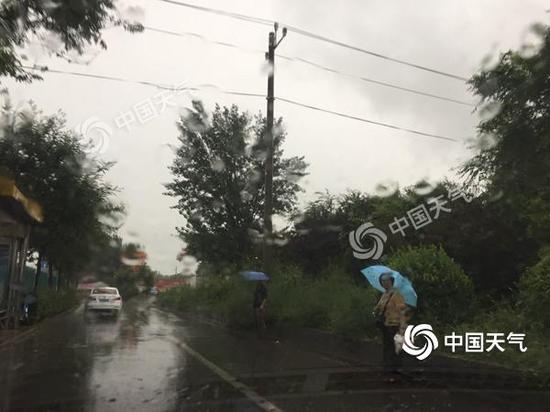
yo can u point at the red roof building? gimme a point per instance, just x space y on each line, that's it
165 284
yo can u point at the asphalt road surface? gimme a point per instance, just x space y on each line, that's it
152 360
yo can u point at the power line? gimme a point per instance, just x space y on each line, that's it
315 36
313 64
201 37
374 54
44 69
378 82
229 14
202 87
362 119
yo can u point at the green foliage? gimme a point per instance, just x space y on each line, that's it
445 292
504 317
233 305
331 302
125 282
52 302
227 298
316 240
306 303
513 148
218 181
534 291
76 23
49 164
485 236
351 305
127 278
181 298
351 315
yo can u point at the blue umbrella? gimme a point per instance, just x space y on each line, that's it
400 283
254 276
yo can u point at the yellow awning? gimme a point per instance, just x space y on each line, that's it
9 189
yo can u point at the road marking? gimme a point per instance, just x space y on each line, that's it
404 391
260 401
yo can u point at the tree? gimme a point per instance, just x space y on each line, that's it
49 164
218 181
315 241
534 288
513 156
122 265
76 23
480 233
445 290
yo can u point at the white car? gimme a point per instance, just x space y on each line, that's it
104 299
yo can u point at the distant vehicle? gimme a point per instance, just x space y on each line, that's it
153 291
104 300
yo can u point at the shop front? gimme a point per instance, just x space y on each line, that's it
17 216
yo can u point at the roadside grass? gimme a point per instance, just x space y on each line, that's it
334 303
504 318
52 302
331 302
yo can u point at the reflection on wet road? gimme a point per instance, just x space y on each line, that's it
151 360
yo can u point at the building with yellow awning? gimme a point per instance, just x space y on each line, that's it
17 215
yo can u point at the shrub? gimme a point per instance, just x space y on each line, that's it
445 293
297 300
235 304
228 298
180 298
351 313
51 302
504 317
534 292
124 281
329 302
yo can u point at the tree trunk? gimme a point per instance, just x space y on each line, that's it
50 275
38 269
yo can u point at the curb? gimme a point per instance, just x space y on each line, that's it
19 337
337 343
34 328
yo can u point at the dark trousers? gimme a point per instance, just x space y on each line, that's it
260 321
392 361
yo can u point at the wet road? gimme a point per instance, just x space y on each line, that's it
151 360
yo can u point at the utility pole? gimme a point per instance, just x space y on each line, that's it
268 203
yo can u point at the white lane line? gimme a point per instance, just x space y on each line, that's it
260 401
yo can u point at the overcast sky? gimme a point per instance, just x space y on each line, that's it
451 36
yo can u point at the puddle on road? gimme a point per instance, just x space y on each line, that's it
132 365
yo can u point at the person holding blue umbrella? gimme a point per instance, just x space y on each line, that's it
391 317
401 283
260 299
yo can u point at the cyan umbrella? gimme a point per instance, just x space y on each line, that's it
400 283
254 276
